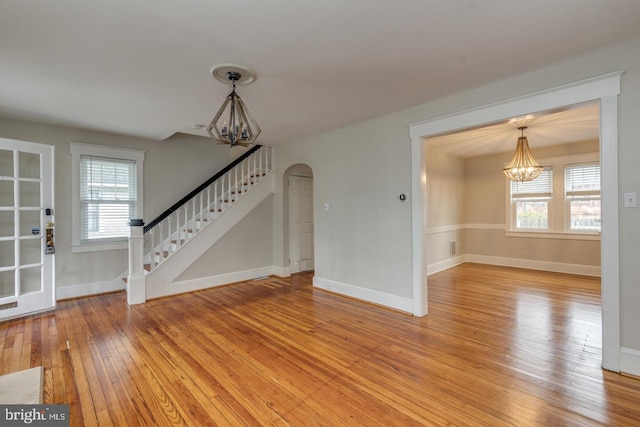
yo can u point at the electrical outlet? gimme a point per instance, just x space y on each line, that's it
452 247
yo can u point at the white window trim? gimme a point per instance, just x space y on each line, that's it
556 216
81 149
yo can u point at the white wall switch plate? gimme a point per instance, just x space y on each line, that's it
630 200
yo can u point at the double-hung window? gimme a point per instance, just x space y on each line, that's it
107 192
582 197
531 202
107 198
563 202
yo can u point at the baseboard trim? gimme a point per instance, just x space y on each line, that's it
630 361
556 267
88 289
446 264
368 295
207 282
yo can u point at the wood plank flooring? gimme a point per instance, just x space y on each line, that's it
500 347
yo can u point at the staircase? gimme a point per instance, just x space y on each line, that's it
160 251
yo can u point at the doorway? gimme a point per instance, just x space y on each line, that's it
26 228
300 223
605 90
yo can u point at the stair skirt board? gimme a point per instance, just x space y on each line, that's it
208 282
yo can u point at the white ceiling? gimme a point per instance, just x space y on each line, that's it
576 124
142 68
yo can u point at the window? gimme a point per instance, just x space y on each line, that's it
564 201
531 202
582 196
107 198
107 192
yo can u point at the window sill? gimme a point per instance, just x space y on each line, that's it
553 235
99 247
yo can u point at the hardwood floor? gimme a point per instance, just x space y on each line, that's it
499 347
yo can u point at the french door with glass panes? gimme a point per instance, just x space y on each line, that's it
27 241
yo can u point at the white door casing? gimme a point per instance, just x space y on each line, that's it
604 89
26 212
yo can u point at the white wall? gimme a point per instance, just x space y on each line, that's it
485 210
360 240
172 168
365 239
446 206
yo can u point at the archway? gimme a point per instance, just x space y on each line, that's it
298 218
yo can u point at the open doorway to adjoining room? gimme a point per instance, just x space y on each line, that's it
298 211
602 90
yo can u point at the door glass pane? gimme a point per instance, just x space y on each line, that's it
7 253
30 280
30 251
7 283
29 165
6 163
6 193
28 221
29 193
6 224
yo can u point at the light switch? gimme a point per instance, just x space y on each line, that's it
630 200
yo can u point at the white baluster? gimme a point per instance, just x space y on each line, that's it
178 228
161 243
186 220
208 202
202 224
215 198
229 189
242 176
152 245
235 174
254 172
169 235
196 227
266 158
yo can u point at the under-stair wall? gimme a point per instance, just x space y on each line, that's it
160 281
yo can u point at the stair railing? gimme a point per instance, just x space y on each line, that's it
172 229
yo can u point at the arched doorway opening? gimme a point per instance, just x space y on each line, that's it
298 218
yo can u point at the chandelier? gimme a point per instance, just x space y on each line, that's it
233 124
523 166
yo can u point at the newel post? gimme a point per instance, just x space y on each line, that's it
136 287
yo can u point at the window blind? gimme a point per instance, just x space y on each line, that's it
539 188
582 182
107 198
